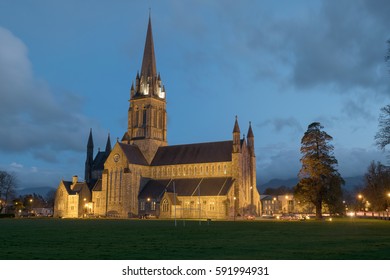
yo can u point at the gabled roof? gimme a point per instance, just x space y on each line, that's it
173 200
98 185
100 159
74 190
187 187
133 154
194 153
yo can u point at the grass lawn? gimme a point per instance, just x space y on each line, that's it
158 239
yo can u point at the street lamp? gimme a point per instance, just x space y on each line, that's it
31 201
85 207
234 208
387 210
361 198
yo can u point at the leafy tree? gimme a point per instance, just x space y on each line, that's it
7 188
377 186
320 183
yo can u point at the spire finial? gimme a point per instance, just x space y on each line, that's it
90 139
108 144
236 126
148 68
250 132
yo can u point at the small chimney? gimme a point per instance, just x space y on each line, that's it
74 179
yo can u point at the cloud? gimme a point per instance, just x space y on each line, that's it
280 124
333 43
281 163
354 109
33 118
354 161
15 165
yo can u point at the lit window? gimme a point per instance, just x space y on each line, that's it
142 205
165 206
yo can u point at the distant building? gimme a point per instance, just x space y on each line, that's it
44 212
144 176
280 204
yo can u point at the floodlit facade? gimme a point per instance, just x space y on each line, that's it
144 176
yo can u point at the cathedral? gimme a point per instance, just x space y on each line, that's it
142 176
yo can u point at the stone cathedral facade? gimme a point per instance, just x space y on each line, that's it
143 176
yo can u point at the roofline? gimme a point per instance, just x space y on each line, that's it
192 144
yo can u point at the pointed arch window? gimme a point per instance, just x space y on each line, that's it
165 205
144 117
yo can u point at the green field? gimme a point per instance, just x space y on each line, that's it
157 239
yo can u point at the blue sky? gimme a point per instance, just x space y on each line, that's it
67 66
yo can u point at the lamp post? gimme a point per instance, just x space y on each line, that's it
234 208
274 206
360 197
31 201
147 206
252 206
85 207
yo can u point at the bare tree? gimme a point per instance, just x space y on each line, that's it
382 137
377 180
387 56
7 188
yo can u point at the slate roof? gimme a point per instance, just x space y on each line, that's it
193 153
187 187
100 159
76 189
98 185
133 154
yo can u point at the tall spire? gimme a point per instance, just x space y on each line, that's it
251 141
250 132
90 140
89 160
148 68
236 128
236 137
108 145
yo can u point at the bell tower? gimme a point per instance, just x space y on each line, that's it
147 116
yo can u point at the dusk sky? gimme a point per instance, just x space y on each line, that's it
67 66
